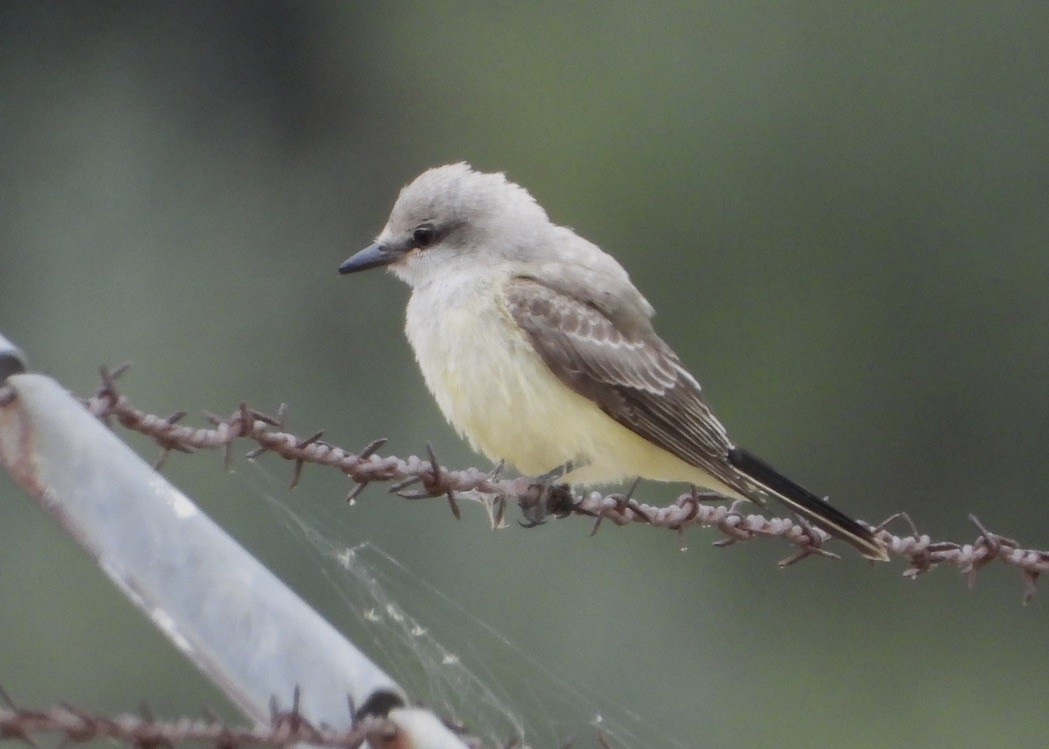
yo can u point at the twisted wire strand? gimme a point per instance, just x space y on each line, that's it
537 502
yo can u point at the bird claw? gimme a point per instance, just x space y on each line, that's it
541 497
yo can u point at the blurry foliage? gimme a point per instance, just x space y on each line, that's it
839 210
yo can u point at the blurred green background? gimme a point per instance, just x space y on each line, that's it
841 212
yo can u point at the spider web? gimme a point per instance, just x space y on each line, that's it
444 656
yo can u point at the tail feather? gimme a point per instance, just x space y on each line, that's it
816 510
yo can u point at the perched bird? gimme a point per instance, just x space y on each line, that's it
541 352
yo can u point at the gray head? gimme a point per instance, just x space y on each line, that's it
452 215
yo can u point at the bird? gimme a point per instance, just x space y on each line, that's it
541 352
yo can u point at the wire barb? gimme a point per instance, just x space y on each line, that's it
696 508
438 482
286 727
300 461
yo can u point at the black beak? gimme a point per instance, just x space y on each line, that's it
373 256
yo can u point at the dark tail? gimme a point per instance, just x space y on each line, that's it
817 511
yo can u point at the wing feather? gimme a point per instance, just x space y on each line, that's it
638 380
635 378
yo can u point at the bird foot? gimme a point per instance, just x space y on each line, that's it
542 496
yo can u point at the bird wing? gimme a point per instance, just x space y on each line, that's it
634 377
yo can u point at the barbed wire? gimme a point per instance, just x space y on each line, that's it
428 478
144 731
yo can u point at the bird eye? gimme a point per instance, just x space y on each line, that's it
424 235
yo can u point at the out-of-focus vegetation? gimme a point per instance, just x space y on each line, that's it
840 211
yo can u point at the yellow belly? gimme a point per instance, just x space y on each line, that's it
497 392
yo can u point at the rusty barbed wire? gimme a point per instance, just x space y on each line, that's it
145 731
285 728
433 480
